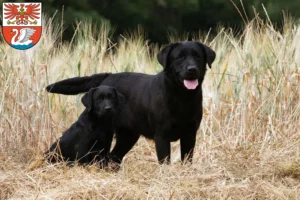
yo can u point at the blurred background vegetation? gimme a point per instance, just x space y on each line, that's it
160 18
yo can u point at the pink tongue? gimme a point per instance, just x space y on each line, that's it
191 84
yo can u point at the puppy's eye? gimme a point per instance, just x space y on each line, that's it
100 98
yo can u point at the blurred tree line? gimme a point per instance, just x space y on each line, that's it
162 17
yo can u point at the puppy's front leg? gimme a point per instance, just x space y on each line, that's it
187 145
163 149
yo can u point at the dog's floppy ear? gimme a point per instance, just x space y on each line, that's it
162 56
119 97
87 99
209 54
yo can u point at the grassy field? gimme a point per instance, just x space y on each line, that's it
248 144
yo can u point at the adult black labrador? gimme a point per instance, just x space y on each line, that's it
164 107
89 138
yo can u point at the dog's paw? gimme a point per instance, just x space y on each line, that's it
113 166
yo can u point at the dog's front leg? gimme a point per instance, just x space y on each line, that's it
163 149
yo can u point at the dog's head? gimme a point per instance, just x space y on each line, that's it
185 62
102 101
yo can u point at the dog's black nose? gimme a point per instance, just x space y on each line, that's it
191 68
107 108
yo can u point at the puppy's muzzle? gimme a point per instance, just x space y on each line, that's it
107 108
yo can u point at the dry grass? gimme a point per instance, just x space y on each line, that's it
249 139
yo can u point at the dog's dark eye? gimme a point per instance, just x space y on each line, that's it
180 58
197 57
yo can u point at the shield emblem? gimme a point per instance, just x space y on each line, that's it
22 24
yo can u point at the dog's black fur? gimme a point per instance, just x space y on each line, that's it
89 138
161 106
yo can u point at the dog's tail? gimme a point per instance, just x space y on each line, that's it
77 85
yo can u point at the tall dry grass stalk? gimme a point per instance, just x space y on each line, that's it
249 139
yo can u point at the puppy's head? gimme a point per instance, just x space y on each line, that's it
102 101
185 62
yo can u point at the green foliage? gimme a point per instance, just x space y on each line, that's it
161 18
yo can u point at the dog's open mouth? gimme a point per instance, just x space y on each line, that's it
191 84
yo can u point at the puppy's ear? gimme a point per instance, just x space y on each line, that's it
209 53
119 97
163 55
87 99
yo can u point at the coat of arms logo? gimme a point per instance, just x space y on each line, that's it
22 24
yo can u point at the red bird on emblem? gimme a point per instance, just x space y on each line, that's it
22 13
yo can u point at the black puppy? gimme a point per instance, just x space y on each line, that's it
165 107
89 138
